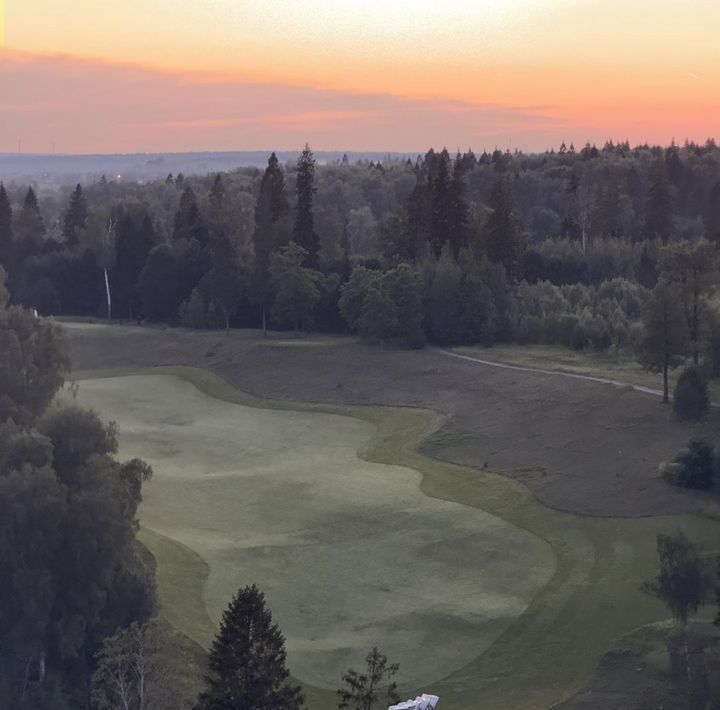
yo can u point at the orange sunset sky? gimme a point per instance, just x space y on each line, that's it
176 75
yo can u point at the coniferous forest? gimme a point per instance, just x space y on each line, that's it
561 247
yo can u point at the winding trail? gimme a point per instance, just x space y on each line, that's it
559 373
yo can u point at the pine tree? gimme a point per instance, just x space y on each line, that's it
7 242
247 660
304 232
75 219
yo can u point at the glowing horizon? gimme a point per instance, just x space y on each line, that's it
529 73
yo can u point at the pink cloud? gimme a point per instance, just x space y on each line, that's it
94 107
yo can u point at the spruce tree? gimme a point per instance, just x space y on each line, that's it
217 194
659 210
440 217
29 230
271 210
417 221
7 242
504 238
247 660
75 219
304 232
189 224
459 210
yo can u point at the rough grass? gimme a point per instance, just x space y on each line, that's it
550 651
619 366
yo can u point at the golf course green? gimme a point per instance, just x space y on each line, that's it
482 594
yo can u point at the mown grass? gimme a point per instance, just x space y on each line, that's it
548 653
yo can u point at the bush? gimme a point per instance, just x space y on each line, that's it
691 395
693 467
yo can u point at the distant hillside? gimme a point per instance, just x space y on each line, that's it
17 167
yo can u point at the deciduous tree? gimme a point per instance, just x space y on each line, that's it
295 286
663 338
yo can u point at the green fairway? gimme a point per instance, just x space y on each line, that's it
353 553
350 553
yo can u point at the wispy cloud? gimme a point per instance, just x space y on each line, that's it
91 106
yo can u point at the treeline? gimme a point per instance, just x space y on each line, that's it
556 247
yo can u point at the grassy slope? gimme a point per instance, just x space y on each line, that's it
621 367
550 651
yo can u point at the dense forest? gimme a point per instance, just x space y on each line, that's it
592 249
559 247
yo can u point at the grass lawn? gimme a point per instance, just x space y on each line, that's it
486 597
621 367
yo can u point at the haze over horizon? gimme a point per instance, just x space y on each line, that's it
399 75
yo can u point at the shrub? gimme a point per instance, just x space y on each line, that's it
693 467
691 395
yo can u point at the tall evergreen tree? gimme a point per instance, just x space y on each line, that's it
247 660
75 218
271 211
217 194
417 223
503 235
304 232
135 236
659 208
189 224
7 241
441 204
459 211
29 227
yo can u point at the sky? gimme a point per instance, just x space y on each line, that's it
116 76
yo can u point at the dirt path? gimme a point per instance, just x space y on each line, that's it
558 373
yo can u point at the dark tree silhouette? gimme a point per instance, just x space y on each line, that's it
75 218
247 660
304 232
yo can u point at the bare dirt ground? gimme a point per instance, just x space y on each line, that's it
581 447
